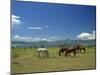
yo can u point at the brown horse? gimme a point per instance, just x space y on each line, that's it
80 48
73 50
67 51
70 50
61 51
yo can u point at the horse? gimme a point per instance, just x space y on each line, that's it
80 48
74 50
61 51
70 50
42 52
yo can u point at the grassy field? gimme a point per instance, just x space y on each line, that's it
26 61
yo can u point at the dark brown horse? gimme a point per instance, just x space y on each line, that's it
80 48
67 51
61 51
70 50
73 50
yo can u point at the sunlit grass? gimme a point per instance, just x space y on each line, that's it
25 60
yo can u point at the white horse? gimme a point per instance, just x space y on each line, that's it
42 52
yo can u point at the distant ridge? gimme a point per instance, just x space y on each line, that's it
67 42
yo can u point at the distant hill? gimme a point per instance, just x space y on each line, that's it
66 42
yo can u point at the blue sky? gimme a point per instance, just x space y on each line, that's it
45 20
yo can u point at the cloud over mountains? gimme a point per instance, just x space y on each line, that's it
86 36
36 39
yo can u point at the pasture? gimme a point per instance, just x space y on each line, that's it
25 60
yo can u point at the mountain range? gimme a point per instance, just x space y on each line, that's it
58 43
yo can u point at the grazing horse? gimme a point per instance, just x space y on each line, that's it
80 48
42 52
61 51
70 50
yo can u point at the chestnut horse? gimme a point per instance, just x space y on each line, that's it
80 48
61 51
71 50
67 51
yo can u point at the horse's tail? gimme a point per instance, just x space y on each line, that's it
59 53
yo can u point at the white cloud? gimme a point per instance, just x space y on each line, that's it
86 36
46 26
26 39
35 39
16 20
29 39
35 28
38 28
20 38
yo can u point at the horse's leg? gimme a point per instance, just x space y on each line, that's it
84 50
44 54
70 54
59 53
74 53
47 54
80 50
65 54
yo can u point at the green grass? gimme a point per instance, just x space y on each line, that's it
26 60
